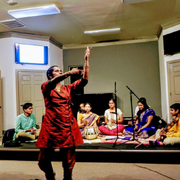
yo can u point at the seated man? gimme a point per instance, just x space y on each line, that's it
26 124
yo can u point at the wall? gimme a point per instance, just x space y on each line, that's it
163 80
132 65
8 69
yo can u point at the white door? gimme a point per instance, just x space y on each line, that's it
29 87
174 82
1 115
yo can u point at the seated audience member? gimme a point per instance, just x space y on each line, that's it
89 118
110 127
171 133
144 126
137 108
81 111
26 124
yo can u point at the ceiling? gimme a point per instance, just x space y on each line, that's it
137 21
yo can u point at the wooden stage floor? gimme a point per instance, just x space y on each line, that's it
101 152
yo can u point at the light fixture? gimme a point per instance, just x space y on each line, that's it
35 11
103 31
11 2
135 1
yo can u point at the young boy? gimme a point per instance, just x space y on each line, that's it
170 134
26 124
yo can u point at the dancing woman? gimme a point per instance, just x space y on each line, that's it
59 126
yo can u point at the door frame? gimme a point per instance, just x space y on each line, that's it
168 60
168 69
17 84
1 106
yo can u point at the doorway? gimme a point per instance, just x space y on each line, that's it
29 90
1 112
174 81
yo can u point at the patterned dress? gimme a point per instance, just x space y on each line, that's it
148 131
59 126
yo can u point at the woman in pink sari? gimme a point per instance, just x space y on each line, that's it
110 127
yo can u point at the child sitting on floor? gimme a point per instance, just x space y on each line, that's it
171 133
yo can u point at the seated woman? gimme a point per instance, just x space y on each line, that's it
81 112
110 120
88 119
144 126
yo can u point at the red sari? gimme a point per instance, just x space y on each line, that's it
59 126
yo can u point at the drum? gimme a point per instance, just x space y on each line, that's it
91 132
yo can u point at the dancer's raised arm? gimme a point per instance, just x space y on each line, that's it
86 65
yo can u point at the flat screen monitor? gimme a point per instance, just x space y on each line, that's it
31 54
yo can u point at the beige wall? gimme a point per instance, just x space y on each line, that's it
132 65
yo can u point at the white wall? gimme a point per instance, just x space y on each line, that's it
8 69
164 101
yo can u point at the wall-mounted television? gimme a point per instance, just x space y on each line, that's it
31 54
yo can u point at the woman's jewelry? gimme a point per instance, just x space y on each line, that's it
59 89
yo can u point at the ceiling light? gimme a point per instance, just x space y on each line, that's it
11 2
102 31
135 1
35 11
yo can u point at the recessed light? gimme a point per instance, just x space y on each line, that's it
135 1
35 11
103 31
11 2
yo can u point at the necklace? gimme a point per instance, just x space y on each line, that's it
59 88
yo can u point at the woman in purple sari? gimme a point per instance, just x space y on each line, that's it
87 119
144 126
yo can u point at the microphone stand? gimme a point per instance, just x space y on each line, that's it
116 114
131 92
133 138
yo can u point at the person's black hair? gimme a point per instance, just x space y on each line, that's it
81 110
26 105
114 100
49 72
81 103
88 103
176 106
143 101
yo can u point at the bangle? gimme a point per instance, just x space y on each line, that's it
67 73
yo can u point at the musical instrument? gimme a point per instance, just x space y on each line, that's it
91 132
168 127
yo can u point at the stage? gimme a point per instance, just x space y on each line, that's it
101 152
